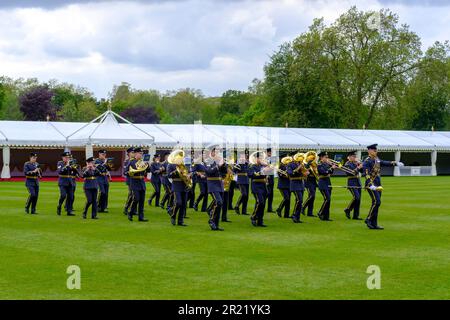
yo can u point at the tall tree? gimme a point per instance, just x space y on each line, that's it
141 115
36 104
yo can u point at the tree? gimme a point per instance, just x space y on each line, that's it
428 96
342 75
140 115
36 104
233 104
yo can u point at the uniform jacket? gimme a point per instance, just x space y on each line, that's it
199 168
259 180
137 180
126 166
372 168
325 171
296 178
178 185
353 179
90 178
242 173
31 177
164 179
214 175
64 174
155 169
103 168
283 180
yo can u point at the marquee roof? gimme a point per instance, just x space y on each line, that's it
106 131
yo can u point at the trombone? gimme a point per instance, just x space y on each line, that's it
341 167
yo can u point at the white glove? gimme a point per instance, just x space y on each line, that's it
373 188
400 164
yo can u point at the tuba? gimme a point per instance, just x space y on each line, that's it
310 162
300 158
286 160
177 157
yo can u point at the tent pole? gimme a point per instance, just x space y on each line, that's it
6 172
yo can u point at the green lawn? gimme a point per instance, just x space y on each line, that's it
155 260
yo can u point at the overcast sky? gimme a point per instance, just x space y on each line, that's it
166 45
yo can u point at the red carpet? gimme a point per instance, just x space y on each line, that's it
114 179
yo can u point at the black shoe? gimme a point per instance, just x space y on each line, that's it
270 211
172 221
303 212
328 219
356 218
226 220
279 213
213 226
130 217
217 229
245 214
27 210
182 225
84 216
311 215
236 209
162 206
33 212
378 227
105 211
143 220
125 212
95 218
70 214
195 207
58 211
347 213
296 220
369 225
253 222
262 225
186 217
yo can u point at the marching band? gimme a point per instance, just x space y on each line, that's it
217 176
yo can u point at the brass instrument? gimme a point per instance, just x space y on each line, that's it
310 162
341 167
228 178
39 170
177 157
141 166
299 158
286 160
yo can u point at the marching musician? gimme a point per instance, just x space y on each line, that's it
74 173
257 172
179 189
228 178
199 172
137 171
241 171
371 169
103 180
32 174
90 186
325 170
297 175
270 181
284 187
215 168
155 169
354 185
65 183
167 198
126 166
310 183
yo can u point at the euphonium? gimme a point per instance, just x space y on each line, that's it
177 157
286 160
299 157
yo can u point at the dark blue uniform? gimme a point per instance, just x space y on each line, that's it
155 169
296 186
75 174
270 187
103 184
311 186
168 197
371 169
65 184
284 187
32 184
199 170
354 184
259 190
179 191
325 170
138 188
241 172
126 166
214 174
90 187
